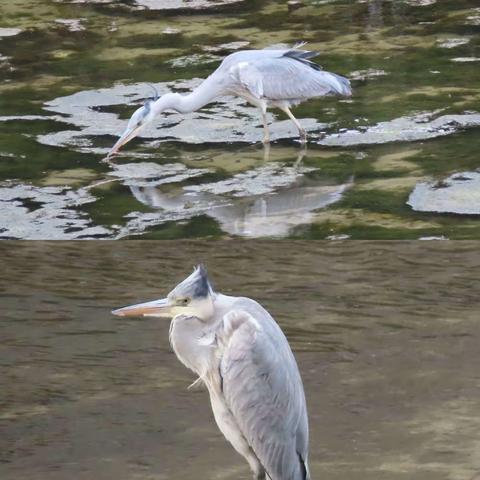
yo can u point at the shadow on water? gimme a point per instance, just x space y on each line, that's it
73 72
386 337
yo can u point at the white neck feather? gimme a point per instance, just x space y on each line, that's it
206 92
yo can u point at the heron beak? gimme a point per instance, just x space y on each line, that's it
127 135
157 308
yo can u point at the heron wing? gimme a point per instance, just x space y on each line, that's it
264 392
250 78
291 76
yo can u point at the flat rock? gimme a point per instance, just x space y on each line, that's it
9 32
152 174
453 42
465 59
258 181
188 5
404 129
367 74
459 193
55 216
72 24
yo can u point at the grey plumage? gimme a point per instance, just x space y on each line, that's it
264 391
282 75
242 356
266 78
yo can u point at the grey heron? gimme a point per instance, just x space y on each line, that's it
242 356
265 78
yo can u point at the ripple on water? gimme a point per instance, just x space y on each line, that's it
267 201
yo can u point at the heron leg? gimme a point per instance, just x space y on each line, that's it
301 130
266 133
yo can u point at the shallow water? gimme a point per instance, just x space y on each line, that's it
73 72
386 336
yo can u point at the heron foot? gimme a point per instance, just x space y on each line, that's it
303 136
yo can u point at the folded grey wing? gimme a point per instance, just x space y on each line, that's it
263 390
285 78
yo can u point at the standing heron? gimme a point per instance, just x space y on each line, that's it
265 78
242 356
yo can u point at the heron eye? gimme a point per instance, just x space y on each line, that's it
183 301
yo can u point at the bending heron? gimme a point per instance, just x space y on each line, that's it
242 356
265 78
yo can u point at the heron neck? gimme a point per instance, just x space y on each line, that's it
200 96
223 303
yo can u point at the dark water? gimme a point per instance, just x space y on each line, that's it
71 73
386 336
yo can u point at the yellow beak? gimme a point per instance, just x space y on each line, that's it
157 308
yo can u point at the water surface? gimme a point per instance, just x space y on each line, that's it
386 336
71 74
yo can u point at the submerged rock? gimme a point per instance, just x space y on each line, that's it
225 48
459 193
72 24
191 5
46 213
453 42
367 74
420 3
466 59
9 32
258 181
192 60
267 201
404 129
153 174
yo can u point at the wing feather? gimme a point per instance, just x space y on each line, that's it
264 392
288 76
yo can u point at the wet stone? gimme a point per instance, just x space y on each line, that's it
259 181
9 32
225 48
459 193
72 24
404 129
152 174
189 5
192 60
367 74
36 213
475 18
466 59
453 42
420 3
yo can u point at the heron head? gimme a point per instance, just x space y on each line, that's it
141 117
192 297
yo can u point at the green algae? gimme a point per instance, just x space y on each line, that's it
98 46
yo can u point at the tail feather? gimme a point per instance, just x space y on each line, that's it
303 56
340 85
